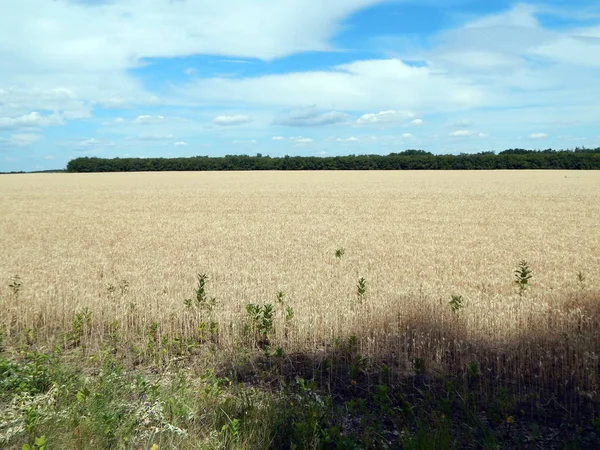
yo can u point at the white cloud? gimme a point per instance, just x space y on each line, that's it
508 71
460 133
373 84
350 139
408 135
479 60
89 145
537 135
90 47
16 101
148 120
311 117
180 144
31 120
385 117
467 133
90 142
296 139
521 15
576 50
416 122
226 121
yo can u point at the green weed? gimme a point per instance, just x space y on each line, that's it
522 276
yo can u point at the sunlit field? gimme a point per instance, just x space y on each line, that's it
86 257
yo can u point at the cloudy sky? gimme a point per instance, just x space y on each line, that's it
299 77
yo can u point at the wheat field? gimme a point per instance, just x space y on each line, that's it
127 249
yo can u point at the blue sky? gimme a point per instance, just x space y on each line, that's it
299 77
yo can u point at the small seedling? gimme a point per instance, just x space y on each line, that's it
280 297
261 323
230 432
202 300
15 285
361 289
289 313
80 321
340 252
456 303
522 276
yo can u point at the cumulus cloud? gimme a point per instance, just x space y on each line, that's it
408 135
383 85
467 133
15 101
303 140
31 120
460 133
501 67
228 121
74 44
295 139
350 139
311 117
537 135
180 144
90 142
385 117
90 145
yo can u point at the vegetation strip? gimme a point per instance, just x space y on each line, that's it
588 159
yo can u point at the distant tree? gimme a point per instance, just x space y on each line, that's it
577 159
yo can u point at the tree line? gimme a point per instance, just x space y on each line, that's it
578 159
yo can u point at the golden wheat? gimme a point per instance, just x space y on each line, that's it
128 248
